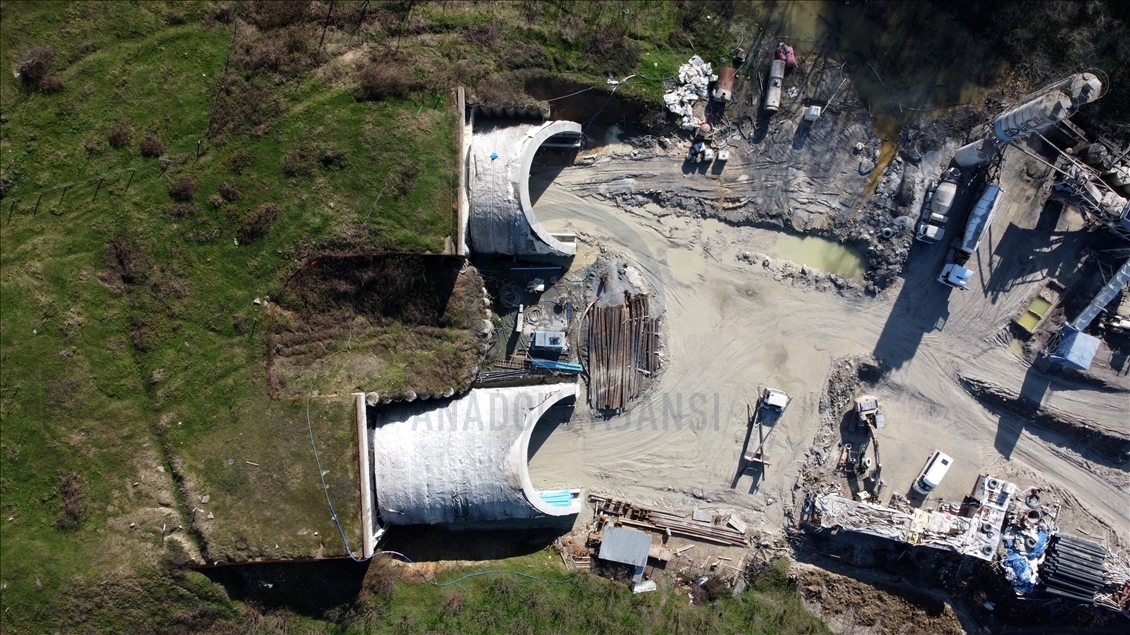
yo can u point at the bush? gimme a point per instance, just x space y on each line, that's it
92 147
257 223
483 35
610 45
405 179
298 162
127 258
184 210
71 495
183 189
35 64
51 84
223 13
238 161
333 159
228 191
119 136
382 79
176 18
152 147
273 14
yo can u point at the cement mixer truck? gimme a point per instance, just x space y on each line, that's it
954 274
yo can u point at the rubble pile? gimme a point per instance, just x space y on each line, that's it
694 78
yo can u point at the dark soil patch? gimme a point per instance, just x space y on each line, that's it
413 289
403 325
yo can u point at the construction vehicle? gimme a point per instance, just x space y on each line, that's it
762 420
868 413
935 210
954 274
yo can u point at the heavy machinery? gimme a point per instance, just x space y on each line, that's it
935 210
868 413
762 420
954 274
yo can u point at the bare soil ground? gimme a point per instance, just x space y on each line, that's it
735 322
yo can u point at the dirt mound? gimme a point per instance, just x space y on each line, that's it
851 606
402 325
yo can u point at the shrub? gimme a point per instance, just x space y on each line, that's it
119 136
184 210
273 14
381 79
152 147
405 179
92 147
380 579
610 45
298 162
126 257
238 161
484 35
267 54
71 495
35 64
257 223
175 18
228 191
183 189
51 84
333 159
223 13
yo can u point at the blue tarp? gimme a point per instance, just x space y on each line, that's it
1022 577
559 498
561 366
1041 544
1076 349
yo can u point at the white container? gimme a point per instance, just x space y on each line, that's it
1032 116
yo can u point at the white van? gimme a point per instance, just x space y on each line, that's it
933 472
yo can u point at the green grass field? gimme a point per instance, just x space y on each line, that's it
149 196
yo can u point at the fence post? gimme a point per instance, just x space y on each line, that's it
59 205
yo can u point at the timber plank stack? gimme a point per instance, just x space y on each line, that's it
630 515
622 352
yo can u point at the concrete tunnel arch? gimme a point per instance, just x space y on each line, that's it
537 138
522 447
458 460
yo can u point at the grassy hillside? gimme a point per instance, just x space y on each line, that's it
164 164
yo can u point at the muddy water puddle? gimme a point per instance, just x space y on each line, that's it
822 254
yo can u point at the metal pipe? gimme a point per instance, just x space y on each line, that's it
1070 596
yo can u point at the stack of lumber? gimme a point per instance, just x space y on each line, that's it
680 523
622 352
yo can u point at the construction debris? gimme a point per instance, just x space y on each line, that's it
694 78
629 515
974 530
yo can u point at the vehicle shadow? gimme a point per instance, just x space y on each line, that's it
922 306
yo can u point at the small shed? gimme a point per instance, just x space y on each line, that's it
626 546
1076 349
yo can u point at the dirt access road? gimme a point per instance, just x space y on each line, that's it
733 324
